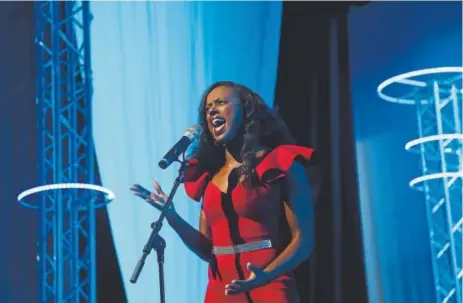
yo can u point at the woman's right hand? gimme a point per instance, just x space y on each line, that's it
157 200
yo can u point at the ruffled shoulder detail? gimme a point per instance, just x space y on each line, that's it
273 166
195 180
277 162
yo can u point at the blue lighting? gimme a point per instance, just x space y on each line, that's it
151 62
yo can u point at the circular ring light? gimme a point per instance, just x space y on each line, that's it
406 78
435 176
108 193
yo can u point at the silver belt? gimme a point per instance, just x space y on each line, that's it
240 248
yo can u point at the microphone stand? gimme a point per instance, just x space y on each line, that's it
155 241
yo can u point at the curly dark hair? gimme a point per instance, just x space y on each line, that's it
262 127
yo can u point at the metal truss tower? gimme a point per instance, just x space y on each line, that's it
67 197
437 96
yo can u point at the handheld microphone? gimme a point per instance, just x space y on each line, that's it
191 135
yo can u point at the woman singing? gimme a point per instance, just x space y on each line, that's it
256 220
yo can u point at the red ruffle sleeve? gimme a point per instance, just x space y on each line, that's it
195 180
279 160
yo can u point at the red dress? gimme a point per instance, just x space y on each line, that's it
247 215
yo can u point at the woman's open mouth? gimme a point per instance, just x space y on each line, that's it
218 125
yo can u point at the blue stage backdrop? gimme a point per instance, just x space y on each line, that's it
386 39
151 62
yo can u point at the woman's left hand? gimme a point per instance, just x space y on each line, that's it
257 278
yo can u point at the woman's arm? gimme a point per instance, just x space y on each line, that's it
299 213
197 241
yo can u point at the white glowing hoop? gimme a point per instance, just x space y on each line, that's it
435 176
109 195
427 139
407 79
